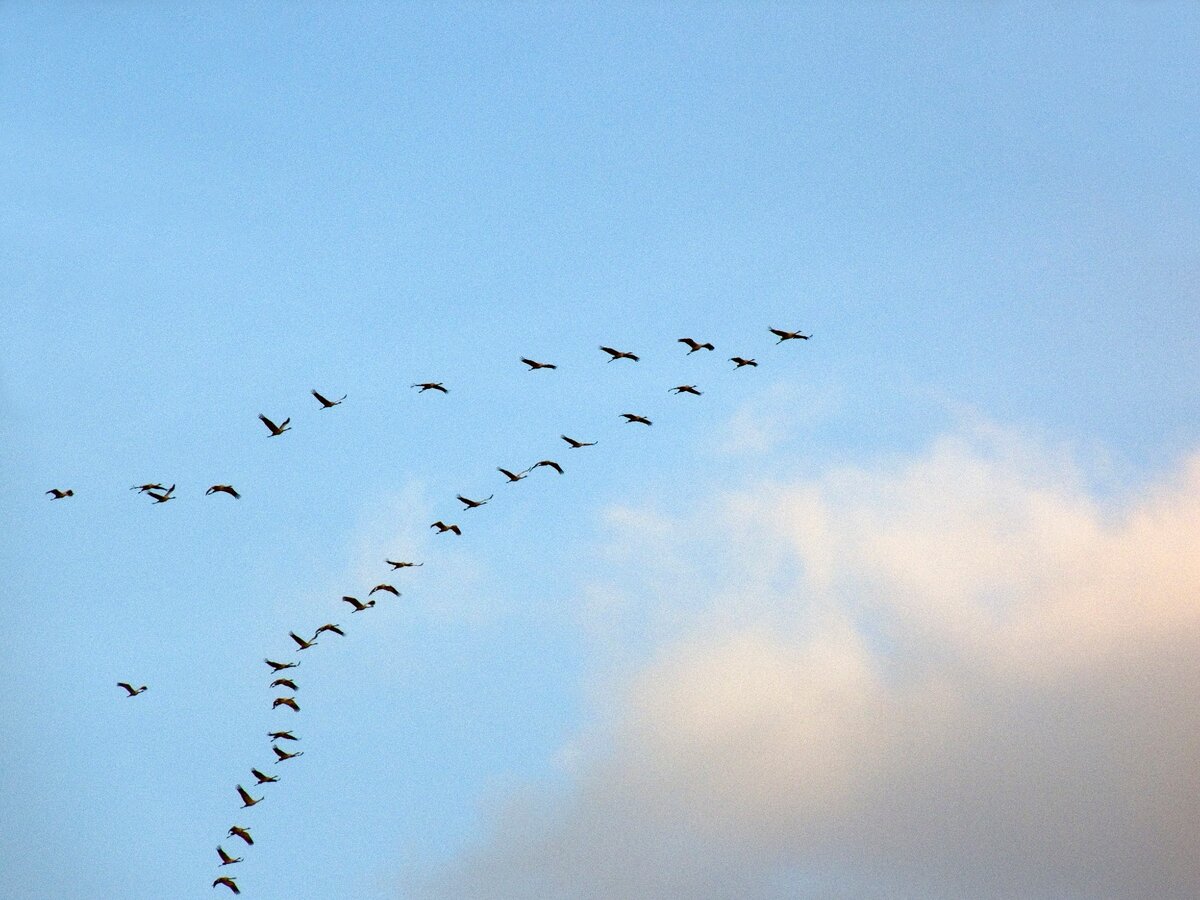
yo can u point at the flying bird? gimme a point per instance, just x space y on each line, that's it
130 689
284 755
285 682
56 494
226 859
162 497
282 736
694 345
358 605
276 430
534 365
431 386
243 833
631 418
327 403
575 445
474 504
328 627
278 666
286 701
301 642
223 489
685 389
264 778
401 565
228 882
619 354
788 335
247 800
549 464
142 488
385 587
442 528
739 362
513 477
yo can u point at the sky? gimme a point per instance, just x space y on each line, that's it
910 610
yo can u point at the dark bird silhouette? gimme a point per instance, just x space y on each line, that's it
223 489
284 755
387 588
619 354
243 833
431 386
301 642
474 504
549 464
534 365
685 389
130 689
247 800
226 859
739 362
285 682
162 497
286 701
442 527
401 565
328 627
282 736
276 430
788 335
142 488
575 445
358 605
228 882
631 418
327 403
263 778
694 345
513 477
278 666
56 494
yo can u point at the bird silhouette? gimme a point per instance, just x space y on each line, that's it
401 565
142 488
247 800
263 778
286 701
285 682
788 335
243 833
282 736
739 362
386 588
575 445
442 527
223 489
534 365
547 463
228 882
631 418
226 859
284 755
301 642
327 403
358 605
474 504
685 389
431 386
694 345
56 494
619 354
164 496
276 430
130 689
513 477
328 627
278 666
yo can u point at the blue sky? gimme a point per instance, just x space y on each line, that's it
987 216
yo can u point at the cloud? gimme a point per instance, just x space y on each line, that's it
964 674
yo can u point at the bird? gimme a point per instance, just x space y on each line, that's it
278 666
282 736
228 882
276 430
575 445
243 833
226 859
285 682
247 800
328 627
534 365
283 754
327 403
59 495
358 605
385 587
442 528
549 464
142 488
130 689
619 354
474 504
164 496
224 489
401 565
303 644
264 778
694 345
685 389
513 477
286 701
739 362
631 418
431 386
788 335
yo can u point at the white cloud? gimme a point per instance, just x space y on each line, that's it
958 675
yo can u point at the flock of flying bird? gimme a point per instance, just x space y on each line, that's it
162 494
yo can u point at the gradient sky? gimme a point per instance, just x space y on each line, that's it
987 215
